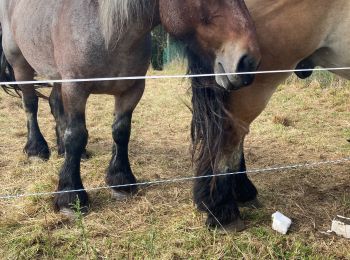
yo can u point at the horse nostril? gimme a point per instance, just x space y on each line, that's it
247 64
221 67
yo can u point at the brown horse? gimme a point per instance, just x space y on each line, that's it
291 33
102 38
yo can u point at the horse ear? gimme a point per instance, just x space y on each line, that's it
173 17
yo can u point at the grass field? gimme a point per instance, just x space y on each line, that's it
305 121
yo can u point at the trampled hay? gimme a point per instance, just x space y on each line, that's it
161 221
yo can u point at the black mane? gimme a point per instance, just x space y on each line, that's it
209 116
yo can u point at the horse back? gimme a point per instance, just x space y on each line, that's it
63 38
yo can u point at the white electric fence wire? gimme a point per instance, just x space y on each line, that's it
165 76
183 179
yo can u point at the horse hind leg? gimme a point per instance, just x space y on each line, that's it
119 171
57 110
36 145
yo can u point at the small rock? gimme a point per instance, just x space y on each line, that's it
341 226
281 223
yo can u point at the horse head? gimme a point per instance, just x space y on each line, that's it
219 34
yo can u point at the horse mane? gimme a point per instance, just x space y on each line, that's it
209 117
117 15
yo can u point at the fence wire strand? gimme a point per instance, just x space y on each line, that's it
60 81
182 179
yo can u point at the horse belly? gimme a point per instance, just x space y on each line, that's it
125 63
337 52
338 42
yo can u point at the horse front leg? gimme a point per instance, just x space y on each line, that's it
75 140
57 110
36 145
244 191
214 196
119 171
221 196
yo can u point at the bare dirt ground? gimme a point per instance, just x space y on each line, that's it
305 122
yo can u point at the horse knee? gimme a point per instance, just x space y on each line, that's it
75 139
30 103
121 130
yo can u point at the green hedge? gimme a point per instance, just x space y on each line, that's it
165 49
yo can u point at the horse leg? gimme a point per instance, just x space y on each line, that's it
214 196
57 110
119 170
220 196
75 140
36 144
244 190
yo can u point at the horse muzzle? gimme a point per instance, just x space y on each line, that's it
235 75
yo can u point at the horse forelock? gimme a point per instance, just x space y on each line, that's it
209 116
117 15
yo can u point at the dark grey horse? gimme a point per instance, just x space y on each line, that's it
104 38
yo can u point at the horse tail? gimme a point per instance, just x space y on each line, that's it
7 74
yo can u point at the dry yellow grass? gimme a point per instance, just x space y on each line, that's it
161 221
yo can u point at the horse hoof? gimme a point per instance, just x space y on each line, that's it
73 214
252 204
234 227
61 154
37 150
120 195
86 155
40 156
36 159
69 213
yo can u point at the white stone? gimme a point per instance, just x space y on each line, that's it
281 223
341 226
